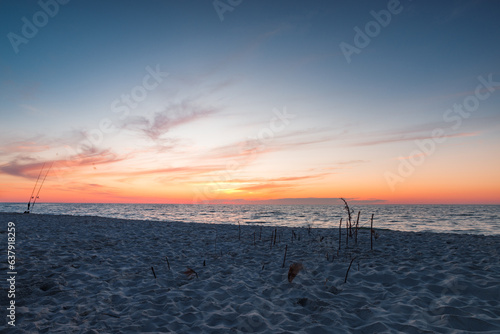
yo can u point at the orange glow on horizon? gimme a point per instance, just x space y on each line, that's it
55 193
107 178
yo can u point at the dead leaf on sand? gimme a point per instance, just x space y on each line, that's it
190 273
294 270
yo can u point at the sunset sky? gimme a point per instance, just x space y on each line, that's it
235 101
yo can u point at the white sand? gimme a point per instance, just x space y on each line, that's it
91 274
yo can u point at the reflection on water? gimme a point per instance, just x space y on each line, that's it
477 219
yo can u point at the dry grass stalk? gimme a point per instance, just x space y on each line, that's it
340 233
153 269
347 272
215 242
295 268
348 225
284 258
371 233
356 230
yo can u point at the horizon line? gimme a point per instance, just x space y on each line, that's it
361 202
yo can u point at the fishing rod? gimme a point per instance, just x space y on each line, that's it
31 197
41 185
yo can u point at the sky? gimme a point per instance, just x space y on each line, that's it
238 101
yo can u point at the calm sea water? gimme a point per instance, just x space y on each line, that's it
475 219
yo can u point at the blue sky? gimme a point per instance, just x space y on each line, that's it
352 120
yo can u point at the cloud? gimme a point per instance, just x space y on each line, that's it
30 167
417 155
353 162
155 127
264 186
94 156
411 137
16 168
299 201
184 170
34 144
247 150
43 143
30 108
268 185
469 128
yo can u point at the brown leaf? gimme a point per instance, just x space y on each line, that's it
190 273
294 270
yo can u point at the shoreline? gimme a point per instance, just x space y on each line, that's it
80 273
247 225
454 219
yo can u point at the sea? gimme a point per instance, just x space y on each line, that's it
473 219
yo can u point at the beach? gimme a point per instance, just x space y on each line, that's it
83 274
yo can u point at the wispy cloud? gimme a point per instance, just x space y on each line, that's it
16 168
470 127
264 186
268 185
250 148
410 137
30 108
300 201
31 145
157 126
352 162
421 154
94 156
278 179
30 167
177 172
